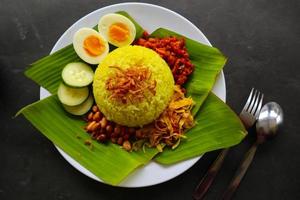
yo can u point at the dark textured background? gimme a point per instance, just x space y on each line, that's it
261 39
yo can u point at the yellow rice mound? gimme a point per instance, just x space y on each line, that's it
138 113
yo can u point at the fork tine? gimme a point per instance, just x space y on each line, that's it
259 105
255 103
252 102
248 100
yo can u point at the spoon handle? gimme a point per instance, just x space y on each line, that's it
210 175
241 171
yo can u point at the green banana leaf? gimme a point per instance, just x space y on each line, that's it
46 72
208 62
107 161
217 126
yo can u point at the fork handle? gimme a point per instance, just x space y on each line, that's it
210 175
241 171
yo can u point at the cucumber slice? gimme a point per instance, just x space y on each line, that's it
77 74
72 96
82 108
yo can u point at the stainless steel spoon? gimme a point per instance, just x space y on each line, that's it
269 120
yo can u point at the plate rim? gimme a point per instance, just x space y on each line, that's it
221 76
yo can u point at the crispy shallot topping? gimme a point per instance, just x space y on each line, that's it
171 125
131 85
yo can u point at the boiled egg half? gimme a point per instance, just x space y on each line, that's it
117 29
90 45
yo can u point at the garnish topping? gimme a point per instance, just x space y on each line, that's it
131 85
170 127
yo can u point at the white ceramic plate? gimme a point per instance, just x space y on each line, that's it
150 17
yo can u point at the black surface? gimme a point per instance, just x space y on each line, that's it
261 39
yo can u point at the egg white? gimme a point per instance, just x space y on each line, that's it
107 20
78 44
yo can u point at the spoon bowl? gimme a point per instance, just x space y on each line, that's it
270 119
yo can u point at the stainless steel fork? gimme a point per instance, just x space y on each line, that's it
248 116
252 108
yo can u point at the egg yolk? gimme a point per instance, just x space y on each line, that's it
93 45
118 32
